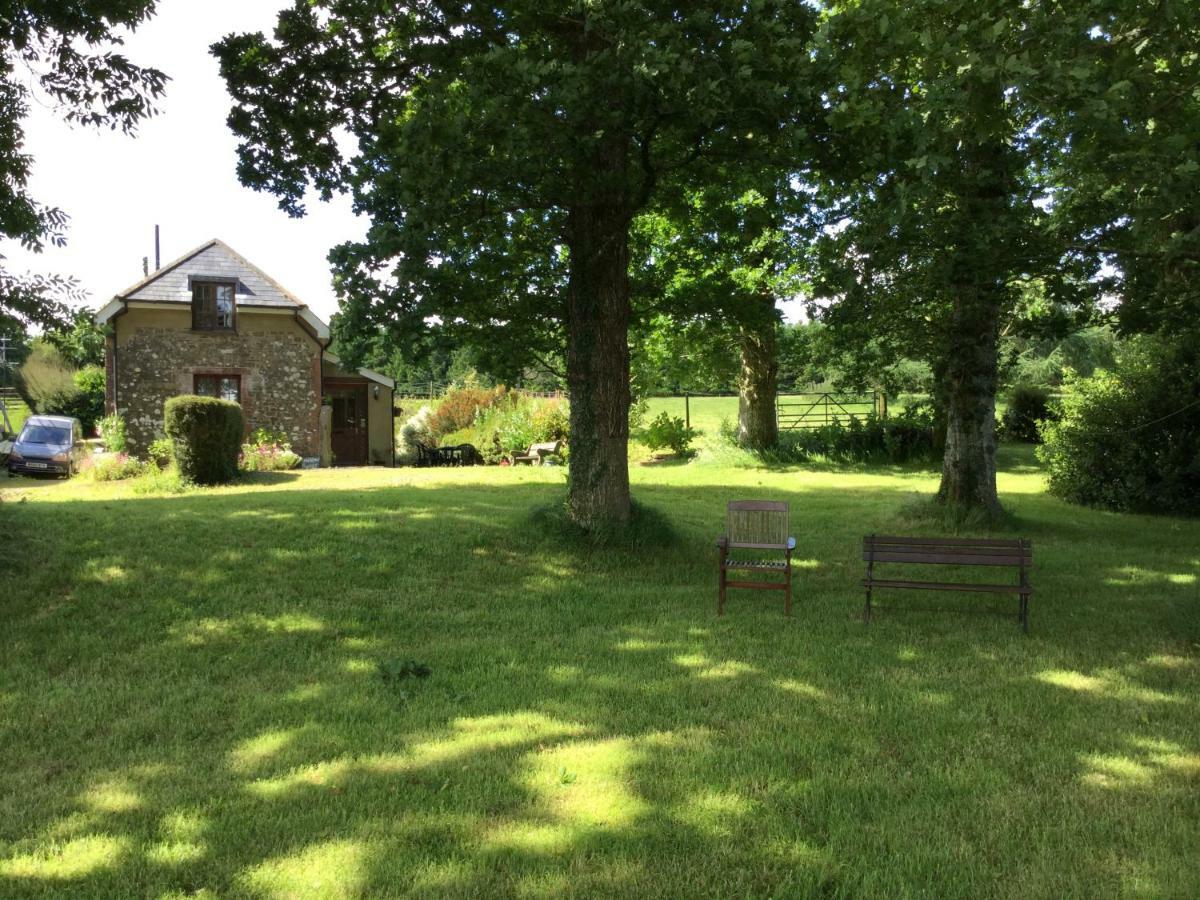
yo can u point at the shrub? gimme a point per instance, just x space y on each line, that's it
206 434
905 437
461 406
667 431
512 425
1129 439
112 433
268 451
513 429
90 382
83 399
269 459
415 431
1028 405
551 420
161 451
44 375
117 468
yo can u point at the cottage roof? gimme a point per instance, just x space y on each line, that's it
172 284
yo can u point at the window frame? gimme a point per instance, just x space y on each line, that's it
216 377
195 283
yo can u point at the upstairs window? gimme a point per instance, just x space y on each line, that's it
213 305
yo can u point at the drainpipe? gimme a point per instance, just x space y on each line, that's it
116 360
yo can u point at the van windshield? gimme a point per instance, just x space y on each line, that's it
45 434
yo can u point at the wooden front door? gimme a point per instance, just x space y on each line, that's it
349 426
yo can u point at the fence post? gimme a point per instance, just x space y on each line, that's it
687 409
431 391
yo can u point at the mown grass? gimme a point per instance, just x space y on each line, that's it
18 412
191 702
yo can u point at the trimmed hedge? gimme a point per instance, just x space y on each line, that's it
206 437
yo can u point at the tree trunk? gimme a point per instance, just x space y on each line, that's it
989 240
598 313
758 428
970 380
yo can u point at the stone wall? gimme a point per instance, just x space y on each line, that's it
278 362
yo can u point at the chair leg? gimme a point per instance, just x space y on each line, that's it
721 585
787 606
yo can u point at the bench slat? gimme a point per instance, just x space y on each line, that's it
948 542
946 559
981 549
929 550
941 586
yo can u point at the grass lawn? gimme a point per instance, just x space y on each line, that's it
191 705
707 413
18 412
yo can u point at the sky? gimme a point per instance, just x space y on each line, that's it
178 171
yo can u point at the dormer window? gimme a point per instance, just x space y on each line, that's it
213 307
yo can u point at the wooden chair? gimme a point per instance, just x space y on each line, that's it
758 525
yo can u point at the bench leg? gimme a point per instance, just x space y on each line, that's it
721 585
1025 613
787 607
867 610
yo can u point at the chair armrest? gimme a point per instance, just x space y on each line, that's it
791 543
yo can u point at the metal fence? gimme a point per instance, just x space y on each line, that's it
816 410
432 390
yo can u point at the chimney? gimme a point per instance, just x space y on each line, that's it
157 257
145 266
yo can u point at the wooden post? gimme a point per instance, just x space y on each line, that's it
687 409
431 390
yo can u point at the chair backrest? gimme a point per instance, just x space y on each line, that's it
760 524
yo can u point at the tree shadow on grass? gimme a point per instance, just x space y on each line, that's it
191 701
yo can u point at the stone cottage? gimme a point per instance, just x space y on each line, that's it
214 324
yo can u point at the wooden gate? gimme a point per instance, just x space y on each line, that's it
816 410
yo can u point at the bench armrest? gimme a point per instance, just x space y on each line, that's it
791 543
723 542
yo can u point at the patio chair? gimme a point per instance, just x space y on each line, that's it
760 526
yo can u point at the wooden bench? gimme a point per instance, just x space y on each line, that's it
1012 553
537 453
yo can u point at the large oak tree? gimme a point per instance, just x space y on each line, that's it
501 152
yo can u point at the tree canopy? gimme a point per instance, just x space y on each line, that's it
501 152
67 49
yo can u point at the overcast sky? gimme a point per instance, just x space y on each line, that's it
178 172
